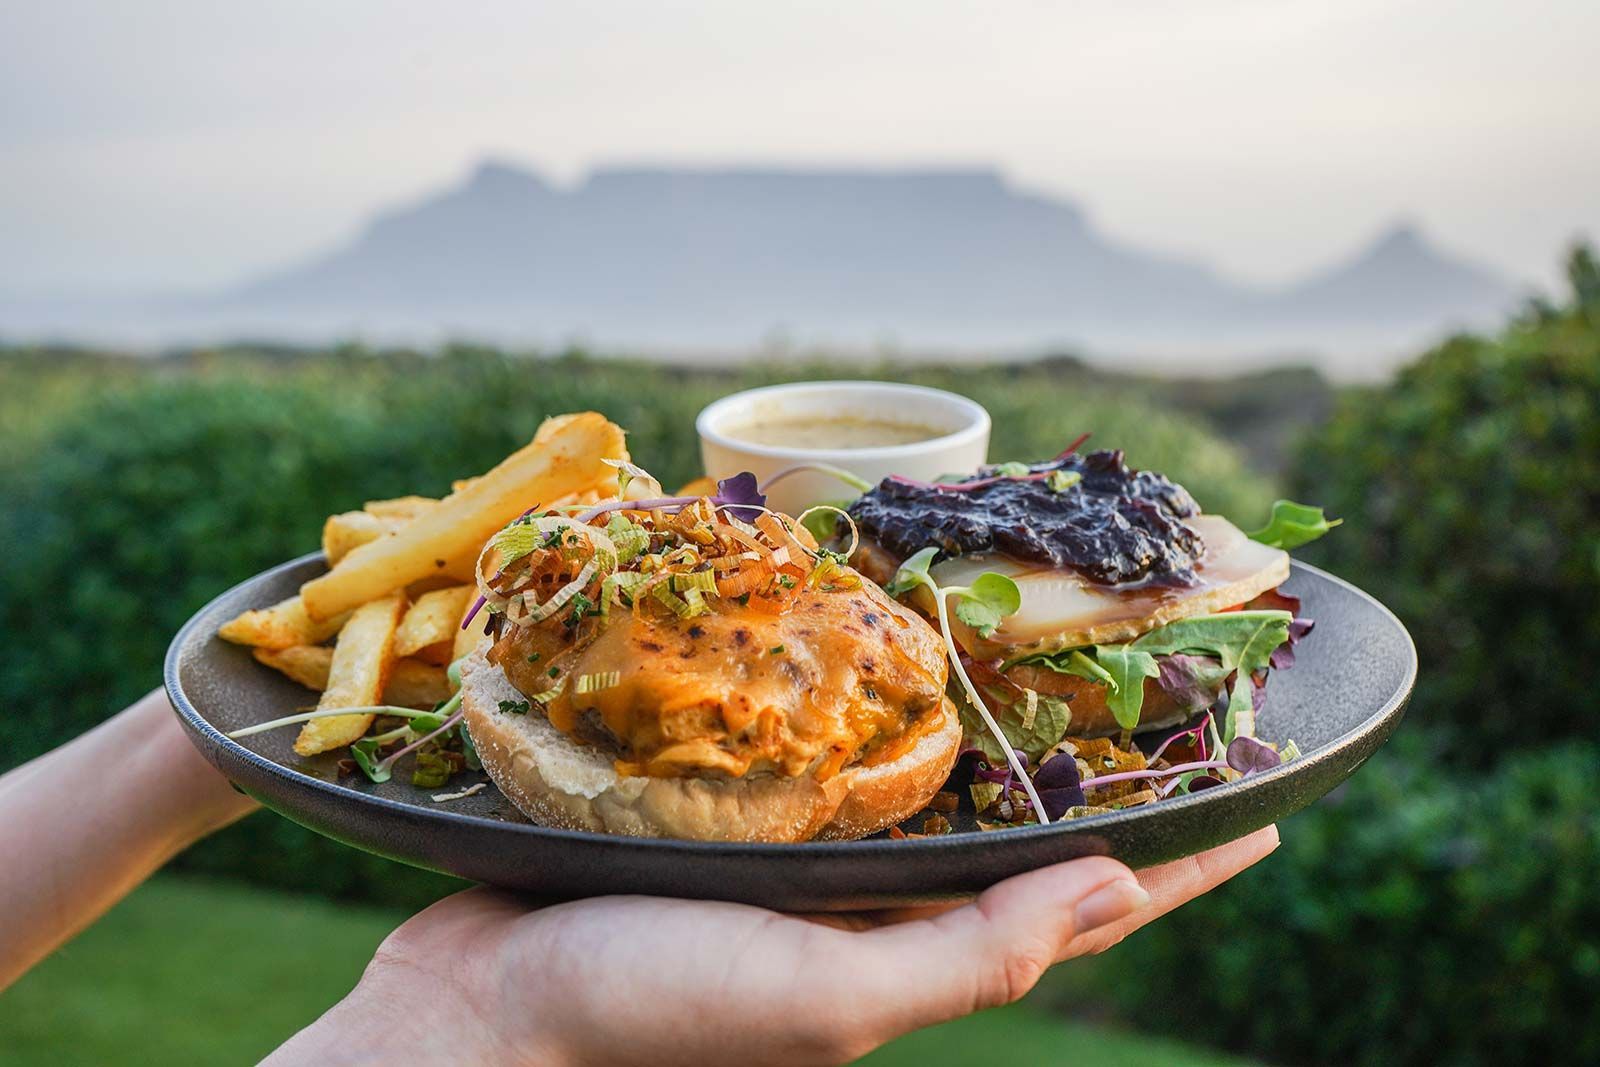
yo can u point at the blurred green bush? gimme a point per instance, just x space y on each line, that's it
1471 494
1440 907
137 490
1417 916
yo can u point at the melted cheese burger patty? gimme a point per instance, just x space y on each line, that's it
839 678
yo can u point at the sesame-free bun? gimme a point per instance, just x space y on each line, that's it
557 781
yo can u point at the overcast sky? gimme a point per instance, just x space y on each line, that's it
189 143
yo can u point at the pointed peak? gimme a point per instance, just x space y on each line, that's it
491 173
1404 237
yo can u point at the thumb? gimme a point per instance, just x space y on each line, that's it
992 951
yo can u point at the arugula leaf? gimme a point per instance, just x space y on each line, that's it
985 603
1293 525
1240 642
1012 469
1128 667
912 573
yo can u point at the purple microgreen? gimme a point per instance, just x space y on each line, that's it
1247 756
1060 785
745 496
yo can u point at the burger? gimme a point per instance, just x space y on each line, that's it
700 668
1129 610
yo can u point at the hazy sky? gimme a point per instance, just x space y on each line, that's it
170 144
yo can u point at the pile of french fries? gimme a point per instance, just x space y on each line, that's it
400 581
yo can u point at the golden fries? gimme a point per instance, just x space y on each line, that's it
560 461
401 507
349 530
283 625
362 660
412 683
402 577
433 620
306 664
415 684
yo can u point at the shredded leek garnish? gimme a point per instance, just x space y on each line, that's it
695 581
629 537
593 683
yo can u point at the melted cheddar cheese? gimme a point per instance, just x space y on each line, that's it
841 676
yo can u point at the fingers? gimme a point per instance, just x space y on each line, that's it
1173 884
989 952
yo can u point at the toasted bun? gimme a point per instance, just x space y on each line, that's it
557 781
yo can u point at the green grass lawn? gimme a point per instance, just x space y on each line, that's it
193 972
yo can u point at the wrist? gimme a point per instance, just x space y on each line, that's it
398 1013
201 800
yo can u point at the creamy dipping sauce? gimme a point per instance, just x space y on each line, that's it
832 432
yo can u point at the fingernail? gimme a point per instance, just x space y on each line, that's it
1109 903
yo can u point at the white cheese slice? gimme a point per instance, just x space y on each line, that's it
1062 609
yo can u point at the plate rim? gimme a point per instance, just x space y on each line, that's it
199 724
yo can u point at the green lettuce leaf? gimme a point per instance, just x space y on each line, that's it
1128 667
1293 525
1051 717
1241 640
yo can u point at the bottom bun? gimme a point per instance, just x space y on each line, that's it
557 781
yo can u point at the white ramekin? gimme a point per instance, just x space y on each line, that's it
960 449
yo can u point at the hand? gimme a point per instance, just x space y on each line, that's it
615 980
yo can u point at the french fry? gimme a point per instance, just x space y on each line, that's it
412 683
283 625
349 530
362 660
698 487
567 460
433 619
305 664
401 507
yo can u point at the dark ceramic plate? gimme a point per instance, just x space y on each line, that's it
1340 701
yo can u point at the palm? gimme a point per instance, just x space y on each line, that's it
643 979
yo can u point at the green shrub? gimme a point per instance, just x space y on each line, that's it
149 487
1413 917
1471 494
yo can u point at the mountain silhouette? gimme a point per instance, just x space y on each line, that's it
724 257
1398 280
947 260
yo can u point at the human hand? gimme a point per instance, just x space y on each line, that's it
616 980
